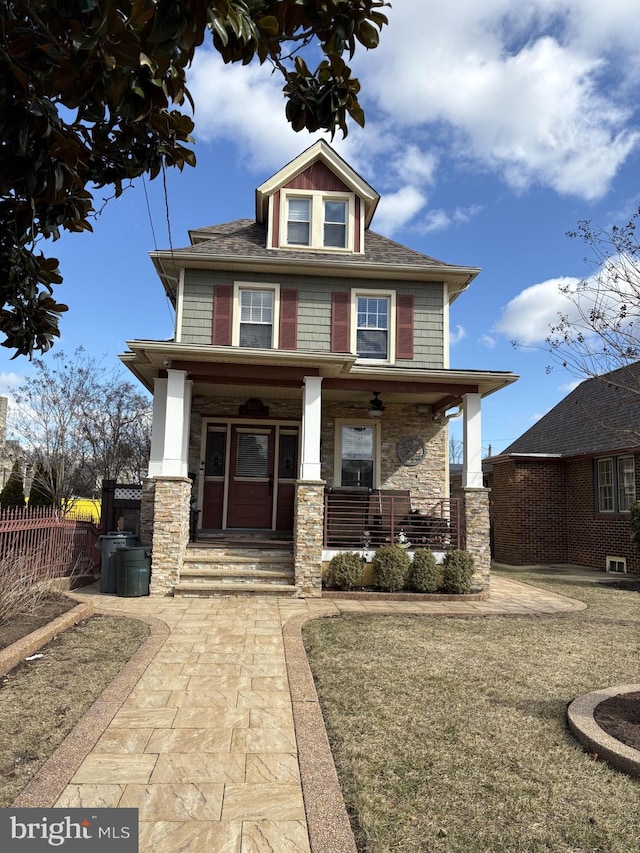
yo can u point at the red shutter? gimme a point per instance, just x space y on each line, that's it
288 319
222 302
340 331
404 326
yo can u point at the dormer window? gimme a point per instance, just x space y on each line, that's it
335 224
318 220
299 222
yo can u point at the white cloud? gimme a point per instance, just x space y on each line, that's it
487 341
568 387
396 209
439 219
522 90
457 336
528 316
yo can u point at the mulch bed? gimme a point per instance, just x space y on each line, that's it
46 611
619 716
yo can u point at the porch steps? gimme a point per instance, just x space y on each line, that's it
238 569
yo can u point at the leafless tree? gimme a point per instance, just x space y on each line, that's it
80 423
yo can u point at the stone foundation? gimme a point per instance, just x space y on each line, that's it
171 504
308 537
476 535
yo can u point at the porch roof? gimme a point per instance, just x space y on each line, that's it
221 370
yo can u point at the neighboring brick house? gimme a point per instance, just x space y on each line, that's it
561 492
308 380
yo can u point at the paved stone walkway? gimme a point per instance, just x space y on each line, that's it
204 744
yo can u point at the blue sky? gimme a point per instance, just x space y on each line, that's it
490 133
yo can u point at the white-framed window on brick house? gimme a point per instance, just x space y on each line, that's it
373 325
357 461
615 484
256 315
317 220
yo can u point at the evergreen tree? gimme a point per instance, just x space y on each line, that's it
13 493
39 495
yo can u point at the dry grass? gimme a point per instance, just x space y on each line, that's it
41 701
450 734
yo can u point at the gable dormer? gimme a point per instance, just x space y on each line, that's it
316 202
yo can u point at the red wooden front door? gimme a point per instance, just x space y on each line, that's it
250 469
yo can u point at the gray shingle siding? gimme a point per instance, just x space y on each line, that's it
314 310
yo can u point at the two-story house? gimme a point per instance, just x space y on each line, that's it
303 400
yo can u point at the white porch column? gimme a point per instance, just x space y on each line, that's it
472 443
311 428
170 430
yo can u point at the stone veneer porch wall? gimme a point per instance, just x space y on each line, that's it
476 535
171 498
308 537
426 480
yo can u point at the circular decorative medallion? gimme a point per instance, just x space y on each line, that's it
411 450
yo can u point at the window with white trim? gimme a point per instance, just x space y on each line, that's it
615 484
256 316
357 454
319 220
373 326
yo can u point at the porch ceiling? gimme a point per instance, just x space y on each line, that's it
219 371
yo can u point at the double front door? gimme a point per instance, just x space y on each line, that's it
249 476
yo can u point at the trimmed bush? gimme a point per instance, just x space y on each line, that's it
345 570
391 566
12 496
425 575
457 570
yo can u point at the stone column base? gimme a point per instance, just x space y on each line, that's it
476 535
170 536
308 536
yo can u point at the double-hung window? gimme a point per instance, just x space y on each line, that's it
615 483
373 319
256 316
357 454
317 220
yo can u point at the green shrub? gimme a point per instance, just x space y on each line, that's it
345 570
391 566
457 570
425 575
12 496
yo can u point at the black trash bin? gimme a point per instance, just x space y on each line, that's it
108 544
133 571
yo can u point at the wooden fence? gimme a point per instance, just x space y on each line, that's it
54 545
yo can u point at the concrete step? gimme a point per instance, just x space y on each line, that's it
213 589
236 574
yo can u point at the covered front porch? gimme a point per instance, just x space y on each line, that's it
336 454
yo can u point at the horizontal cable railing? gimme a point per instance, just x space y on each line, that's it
357 519
54 545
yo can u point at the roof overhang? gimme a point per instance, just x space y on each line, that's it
222 370
169 265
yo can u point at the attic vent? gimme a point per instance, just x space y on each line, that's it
617 565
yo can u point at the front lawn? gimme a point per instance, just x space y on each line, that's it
449 734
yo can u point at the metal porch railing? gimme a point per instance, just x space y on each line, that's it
356 519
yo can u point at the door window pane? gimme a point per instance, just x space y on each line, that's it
299 221
372 334
357 456
216 447
288 462
252 458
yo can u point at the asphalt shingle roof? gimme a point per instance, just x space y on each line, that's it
247 238
601 415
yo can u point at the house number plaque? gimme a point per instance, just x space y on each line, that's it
411 450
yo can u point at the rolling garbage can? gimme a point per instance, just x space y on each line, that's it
108 544
133 571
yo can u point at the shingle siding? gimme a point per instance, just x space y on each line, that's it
314 311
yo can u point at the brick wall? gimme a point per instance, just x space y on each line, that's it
543 511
